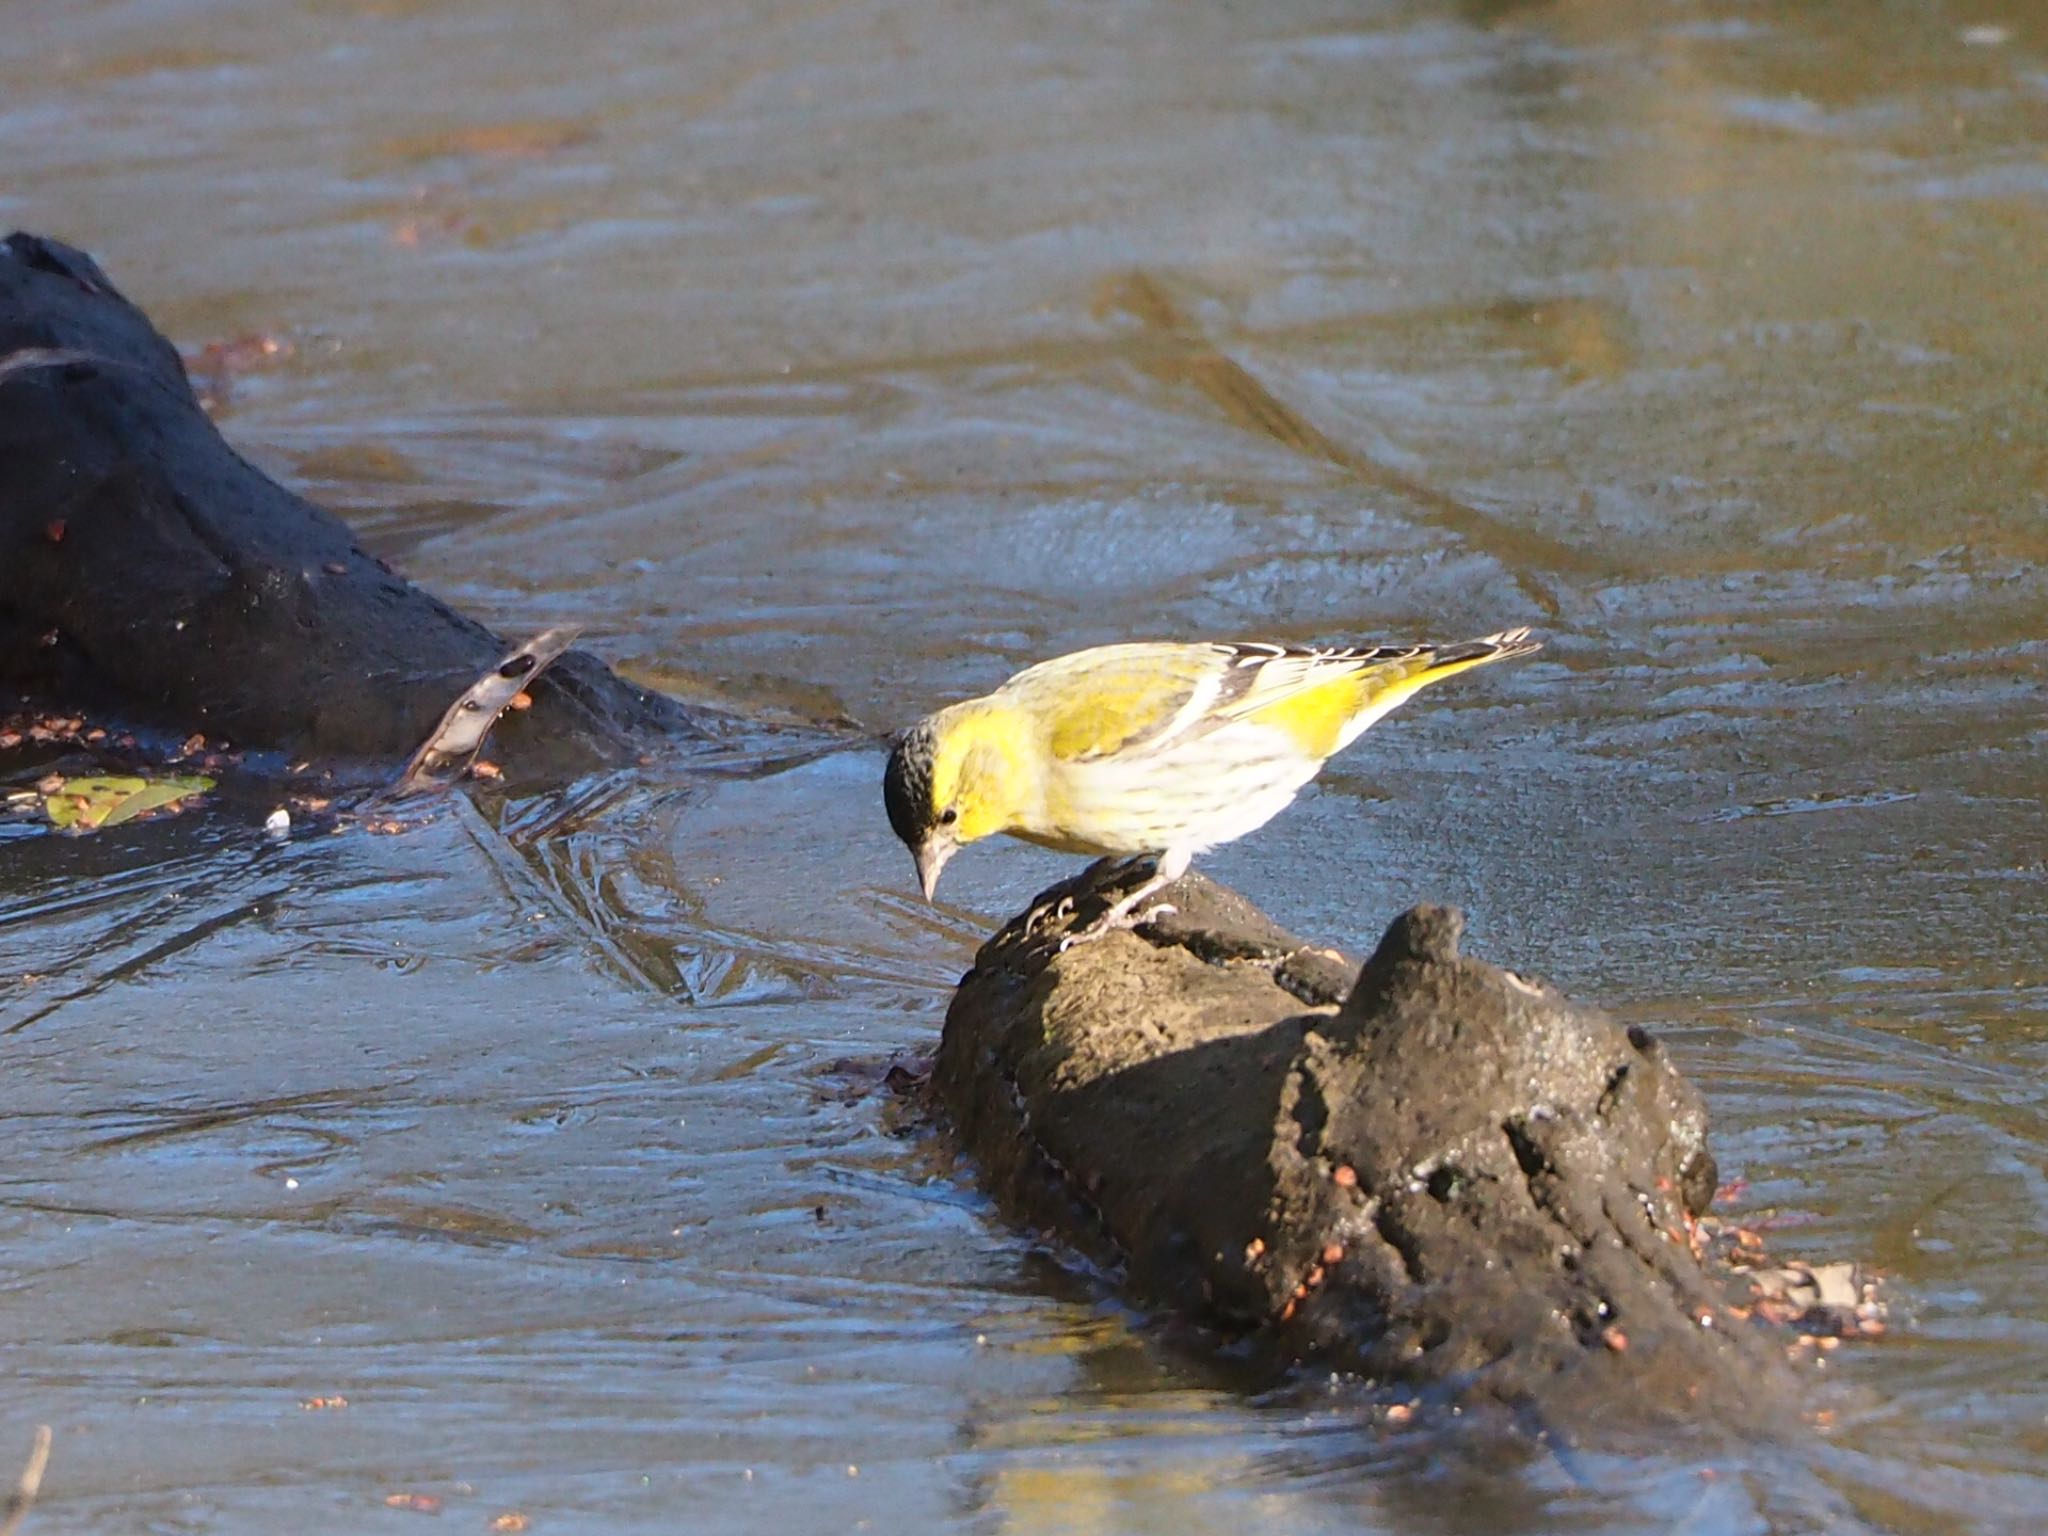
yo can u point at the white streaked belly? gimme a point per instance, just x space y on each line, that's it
1196 796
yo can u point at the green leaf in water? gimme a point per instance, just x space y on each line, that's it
79 805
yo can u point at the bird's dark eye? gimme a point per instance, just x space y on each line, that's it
949 815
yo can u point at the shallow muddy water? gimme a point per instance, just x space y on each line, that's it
828 360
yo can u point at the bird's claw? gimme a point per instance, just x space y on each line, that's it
1112 921
1048 912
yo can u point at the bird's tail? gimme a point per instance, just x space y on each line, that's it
1505 646
1388 687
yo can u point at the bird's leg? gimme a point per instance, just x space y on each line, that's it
1126 913
1167 868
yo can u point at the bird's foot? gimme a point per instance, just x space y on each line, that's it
1086 935
1158 909
1118 917
1047 913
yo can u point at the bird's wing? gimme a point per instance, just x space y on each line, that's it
1126 699
1120 699
1322 699
1261 676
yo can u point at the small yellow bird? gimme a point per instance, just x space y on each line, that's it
1163 749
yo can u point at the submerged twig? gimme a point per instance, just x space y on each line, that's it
28 1485
455 742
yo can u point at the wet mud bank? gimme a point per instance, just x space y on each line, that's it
149 572
1427 1170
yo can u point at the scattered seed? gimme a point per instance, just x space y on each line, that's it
1344 1176
418 1503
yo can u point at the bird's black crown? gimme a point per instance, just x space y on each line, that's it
907 785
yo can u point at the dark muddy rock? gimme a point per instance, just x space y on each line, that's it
149 572
1430 1171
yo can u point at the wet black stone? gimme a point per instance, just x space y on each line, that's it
149 572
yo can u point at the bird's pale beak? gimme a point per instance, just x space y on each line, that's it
931 856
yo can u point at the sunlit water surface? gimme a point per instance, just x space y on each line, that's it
827 360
